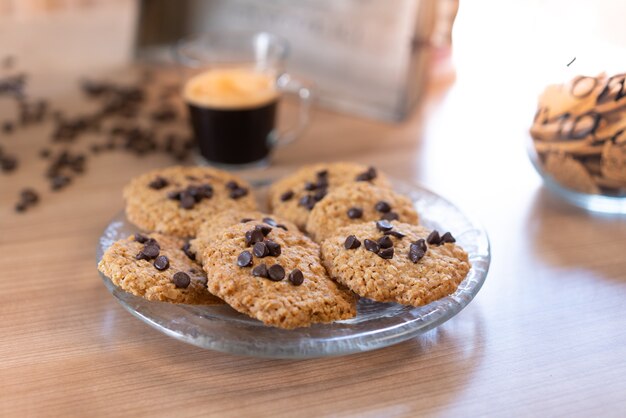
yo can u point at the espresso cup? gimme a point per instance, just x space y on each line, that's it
233 83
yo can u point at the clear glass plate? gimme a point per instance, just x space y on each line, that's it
376 325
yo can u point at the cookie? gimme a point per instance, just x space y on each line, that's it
274 276
613 162
154 267
176 200
410 265
294 196
569 173
354 203
214 226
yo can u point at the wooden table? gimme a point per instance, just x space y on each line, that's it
546 336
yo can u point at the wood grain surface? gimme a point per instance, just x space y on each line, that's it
546 336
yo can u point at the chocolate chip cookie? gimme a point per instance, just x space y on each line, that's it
156 268
395 262
354 203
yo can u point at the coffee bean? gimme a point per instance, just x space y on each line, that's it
310 186
368 175
447 238
351 243
150 250
187 250
296 277
416 252
286 196
264 229
371 245
385 242
396 234
140 238
390 216
244 259
273 247
386 253
276 272
29 196
253 236
187 201
158 183
382 206
59 182
260 271
181 280
246 220
238 193
260 250
269 221
384 225
355 213
421 244
161 263
434 238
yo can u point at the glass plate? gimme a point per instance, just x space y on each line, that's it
376 325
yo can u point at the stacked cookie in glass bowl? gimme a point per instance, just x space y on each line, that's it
336 232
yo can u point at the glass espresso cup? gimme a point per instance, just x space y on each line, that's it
233 83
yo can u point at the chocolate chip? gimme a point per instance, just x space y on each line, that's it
187 250
385 242
8 163
187 201
260 271
140 238
371 245
29 196
264 229
158 183
270 221
59 182
416 252
260 250
296 277
253 236
308 201
276 272
281 226
319 194
232 185
246 220
386 253
161 263
174 195
384 225
351 243
322 183
150 251
322 173
396 234
273 247
153 242
206 191
382 206
368 175
447 238
181 280
238 193
355 213
390 216
244 259
421 244
310 186
286 196
434 238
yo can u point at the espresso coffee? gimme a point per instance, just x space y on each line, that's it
233 114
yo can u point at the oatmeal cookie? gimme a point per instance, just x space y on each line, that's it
569 173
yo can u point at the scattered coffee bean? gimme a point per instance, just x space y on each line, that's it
260 250
238 193
270 221
385 242
416 252
351 243
390 216
244 259
260 271
434 238
187 250
187 201
158 183
384 225
296 277
386 253
253 236
396 234
371 245
355 213
59 182
273 247
246 220
161 263
265 230
286 196
447 238
181 280
368 175
140 238
276 272
382 206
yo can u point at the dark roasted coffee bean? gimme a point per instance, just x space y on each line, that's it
384 225
434 238
386 253
181 280
273 247
416 252
260 271
232 185
187 250
396 234
244 259
371 245
29 196
368 175
151 251
174 195
390 216
253 236
260 250
264 229
286 196
158 183
161 263
447 238
187 201
385 242
355 213
382 206
421 244
59 182
269 221
140 238
245 220
351 243
296 277
276 272
307 201
238 193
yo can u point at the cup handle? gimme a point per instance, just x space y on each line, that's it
288 85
